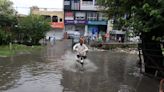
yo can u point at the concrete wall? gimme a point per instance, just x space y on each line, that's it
42 11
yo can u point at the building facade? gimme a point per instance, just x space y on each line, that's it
55 17
84 16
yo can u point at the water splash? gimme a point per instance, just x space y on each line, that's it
126 88
70 64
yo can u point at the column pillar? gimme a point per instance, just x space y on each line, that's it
86 30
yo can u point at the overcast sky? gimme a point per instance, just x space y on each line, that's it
22 6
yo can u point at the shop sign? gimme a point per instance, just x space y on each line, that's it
75 22
97 22
69 16
57 25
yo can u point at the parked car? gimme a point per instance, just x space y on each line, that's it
76 34
134 39
71 34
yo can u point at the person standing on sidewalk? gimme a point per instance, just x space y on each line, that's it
119 39
107 37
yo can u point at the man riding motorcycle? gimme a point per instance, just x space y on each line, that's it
81 49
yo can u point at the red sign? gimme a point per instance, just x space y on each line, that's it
68 14
57 25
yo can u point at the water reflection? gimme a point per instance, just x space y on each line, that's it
26 74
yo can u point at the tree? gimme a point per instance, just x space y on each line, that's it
33 28
7 13
7 20
146 17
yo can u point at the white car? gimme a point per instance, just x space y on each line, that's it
134 39
71 34
76 33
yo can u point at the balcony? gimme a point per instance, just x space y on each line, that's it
88 5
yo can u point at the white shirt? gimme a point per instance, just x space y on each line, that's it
81 49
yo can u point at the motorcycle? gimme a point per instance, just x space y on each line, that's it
80 58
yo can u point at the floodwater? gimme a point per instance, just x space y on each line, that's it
55 70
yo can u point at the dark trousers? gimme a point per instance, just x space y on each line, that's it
78 56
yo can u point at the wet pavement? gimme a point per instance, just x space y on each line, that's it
54 70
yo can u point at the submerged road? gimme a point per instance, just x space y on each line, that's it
54 70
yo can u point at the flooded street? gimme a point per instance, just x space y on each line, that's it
55 70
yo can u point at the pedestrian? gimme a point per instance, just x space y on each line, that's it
100 39
122 40
52 40
119 39
107 37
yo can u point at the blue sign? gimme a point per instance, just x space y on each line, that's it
94 30
97 22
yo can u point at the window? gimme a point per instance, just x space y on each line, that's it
61 20
47 17
80 16
102 17
55 19
75 5
92 16
87 2
66 2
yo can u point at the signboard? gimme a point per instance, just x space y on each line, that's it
75 22
69 16
97 22
69 21
80 21
57 25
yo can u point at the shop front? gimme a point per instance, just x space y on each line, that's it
116 34
76 25
97 27
80 29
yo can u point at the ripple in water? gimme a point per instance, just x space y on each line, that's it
70 64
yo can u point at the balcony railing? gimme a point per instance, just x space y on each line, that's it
87 3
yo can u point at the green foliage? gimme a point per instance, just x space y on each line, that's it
33 28
7 21
142 15
29 29
5 50
6 13
6 7
5 37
